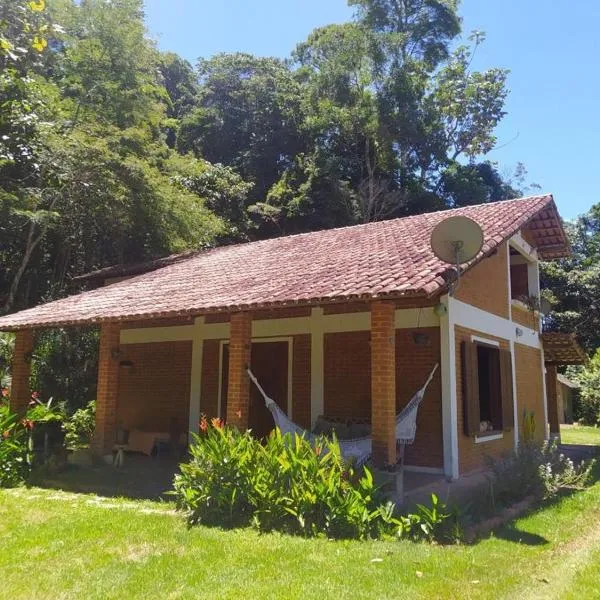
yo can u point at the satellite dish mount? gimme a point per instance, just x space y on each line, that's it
456 241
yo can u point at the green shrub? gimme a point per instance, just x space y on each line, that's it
538 470
437 523
586 406
14 448
285 484
79 427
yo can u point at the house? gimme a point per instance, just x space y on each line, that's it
560 349
565 393
345 323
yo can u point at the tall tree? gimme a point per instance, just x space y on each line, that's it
573 284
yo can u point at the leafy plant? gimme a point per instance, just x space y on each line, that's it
540 470
79 427
529 426
284 484
432 523
287 484
14 451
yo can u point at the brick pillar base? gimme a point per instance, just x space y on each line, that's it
552 396
106 395
238 390
20 392
383 383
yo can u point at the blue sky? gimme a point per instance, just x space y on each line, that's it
552 124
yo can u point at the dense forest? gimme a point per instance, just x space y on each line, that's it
114 152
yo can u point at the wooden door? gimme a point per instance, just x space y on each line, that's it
269 362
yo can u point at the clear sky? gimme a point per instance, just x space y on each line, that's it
551 48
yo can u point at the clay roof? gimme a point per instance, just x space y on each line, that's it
562 349
387 259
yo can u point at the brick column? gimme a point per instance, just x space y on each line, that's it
106 394
238 390
383 383
20 392
552 396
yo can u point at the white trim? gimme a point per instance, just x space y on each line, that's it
481 340
518 242
265 340
336 323
510 317
481 439
449 396
317 365
176 333
484 322
196 378
545 398
515 399
429 470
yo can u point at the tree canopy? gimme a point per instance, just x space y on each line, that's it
114 152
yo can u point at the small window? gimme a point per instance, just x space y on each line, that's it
490 400
523 277
487 389
519 281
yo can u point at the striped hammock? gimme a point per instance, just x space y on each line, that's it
357 449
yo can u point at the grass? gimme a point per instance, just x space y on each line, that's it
580 434
56 544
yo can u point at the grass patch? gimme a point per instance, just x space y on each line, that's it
580 435
56 544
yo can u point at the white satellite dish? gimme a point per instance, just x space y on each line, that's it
456 241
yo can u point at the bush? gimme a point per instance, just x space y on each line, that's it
587 402
285 484
14 445
538 470
79 427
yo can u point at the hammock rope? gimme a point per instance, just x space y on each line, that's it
358 449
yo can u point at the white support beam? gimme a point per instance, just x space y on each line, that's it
449 396
196 376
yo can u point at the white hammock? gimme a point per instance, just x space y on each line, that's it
358 449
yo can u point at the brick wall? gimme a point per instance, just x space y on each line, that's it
20 393
383 383
300 379
107 390
413 365
552 392
348 385
471 456
530 391
525 317
238 386
486 285
347 375
209 393
156 389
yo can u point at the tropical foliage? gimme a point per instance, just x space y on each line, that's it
114 152
14 446
286 484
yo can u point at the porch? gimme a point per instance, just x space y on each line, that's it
352 365
143 477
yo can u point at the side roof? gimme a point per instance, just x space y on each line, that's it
386 259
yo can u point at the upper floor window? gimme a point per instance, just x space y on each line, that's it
524 278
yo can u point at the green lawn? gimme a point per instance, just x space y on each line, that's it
580 434
62 545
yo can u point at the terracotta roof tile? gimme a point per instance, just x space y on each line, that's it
389 258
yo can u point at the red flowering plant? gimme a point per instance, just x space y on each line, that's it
15 458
